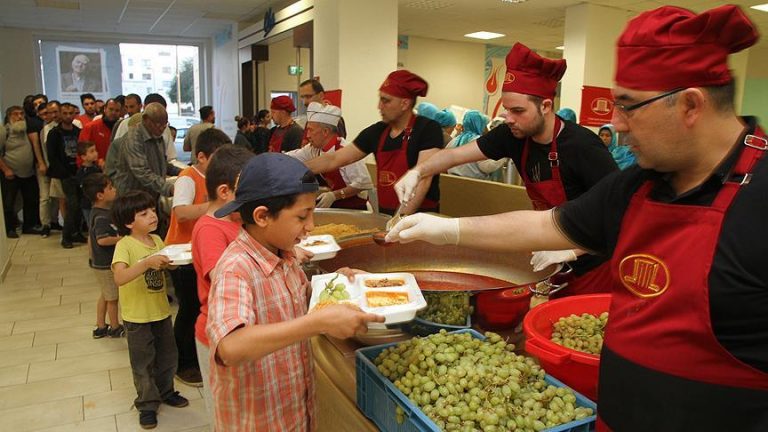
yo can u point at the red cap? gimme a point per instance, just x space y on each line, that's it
671 47
531 74
404 84
283 103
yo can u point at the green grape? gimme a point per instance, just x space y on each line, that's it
581 333
451 308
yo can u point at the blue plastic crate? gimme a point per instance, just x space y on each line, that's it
422 327
377 398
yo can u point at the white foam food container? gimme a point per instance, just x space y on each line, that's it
323 246
358 295
179 254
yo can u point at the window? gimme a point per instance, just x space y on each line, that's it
130 62
166 69
146 76
130 75
146 63
167 83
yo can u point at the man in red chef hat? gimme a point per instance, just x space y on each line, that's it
558 160
686 346
286 135
399 141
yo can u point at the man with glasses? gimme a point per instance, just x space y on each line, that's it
557 159
686 340
312 91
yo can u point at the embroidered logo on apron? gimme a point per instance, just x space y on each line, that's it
644 275
387 178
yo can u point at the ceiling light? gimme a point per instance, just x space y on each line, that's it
561 47
761 7
513 1
484 35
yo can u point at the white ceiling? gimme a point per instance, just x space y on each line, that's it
539 23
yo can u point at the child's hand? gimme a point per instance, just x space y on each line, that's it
350 272
344 320
157 262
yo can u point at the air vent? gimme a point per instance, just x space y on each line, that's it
58 4
429 4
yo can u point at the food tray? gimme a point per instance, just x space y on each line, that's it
324 251
179 254
377 398
358 295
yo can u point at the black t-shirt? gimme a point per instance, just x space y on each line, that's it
101 227
34 124
738 279
584 159
292 135
426 134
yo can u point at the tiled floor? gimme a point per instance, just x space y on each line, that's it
53 375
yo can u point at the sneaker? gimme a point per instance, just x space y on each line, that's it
12 234
100 332
45 232
190 376
176 400
66 244
147 419
79 238
116 332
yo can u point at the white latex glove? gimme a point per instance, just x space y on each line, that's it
428 228
325 200
543 259
406 186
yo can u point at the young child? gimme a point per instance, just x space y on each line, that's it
261 371
86 151
102 237
146 313
210 237
190 201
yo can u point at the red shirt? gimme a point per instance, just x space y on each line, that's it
97 132
210 237
85 119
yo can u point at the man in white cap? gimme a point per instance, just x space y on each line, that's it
348 184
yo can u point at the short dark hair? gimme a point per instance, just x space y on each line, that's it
224 167
205 112
40 96
54 102
119 99
537 100
316 86
723 96
94 184
83 146
135 97
210 140
42 106
125 207
155 97
85 96
68 105
100 100
274 204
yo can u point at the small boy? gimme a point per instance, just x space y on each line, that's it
190 201
86 151
146 313
102 237
261 371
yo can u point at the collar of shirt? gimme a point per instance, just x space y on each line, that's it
144 134
263 257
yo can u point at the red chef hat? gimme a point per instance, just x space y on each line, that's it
283 103
671 47
532 74
404 84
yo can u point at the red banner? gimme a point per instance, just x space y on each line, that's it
596 106
333 97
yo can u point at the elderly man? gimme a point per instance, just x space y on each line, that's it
78 80
286 135
346 183
142 164
686 341
398 142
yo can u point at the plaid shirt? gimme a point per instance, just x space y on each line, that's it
253 286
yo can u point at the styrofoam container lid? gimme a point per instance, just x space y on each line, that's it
322 246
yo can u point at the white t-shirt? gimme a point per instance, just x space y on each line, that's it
184 190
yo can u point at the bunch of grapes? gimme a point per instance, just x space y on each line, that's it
334 292
450 308
466 384
581 333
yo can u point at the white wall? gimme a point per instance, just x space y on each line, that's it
225 70
454 70
274 73
18 76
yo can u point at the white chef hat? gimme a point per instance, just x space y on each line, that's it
328 114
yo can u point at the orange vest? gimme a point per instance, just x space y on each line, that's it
181 232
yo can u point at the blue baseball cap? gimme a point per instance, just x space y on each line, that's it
269 175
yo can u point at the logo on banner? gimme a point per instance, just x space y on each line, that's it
644 275
601 106
387 178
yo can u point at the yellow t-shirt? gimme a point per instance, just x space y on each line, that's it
143 299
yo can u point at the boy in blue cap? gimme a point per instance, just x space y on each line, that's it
261 364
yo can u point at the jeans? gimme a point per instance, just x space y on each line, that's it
74 219
185 284
29 196
153 361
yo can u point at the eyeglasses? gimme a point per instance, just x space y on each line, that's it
307 96
626 109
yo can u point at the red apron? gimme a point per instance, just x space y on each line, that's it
391 165
335 181
660 313
276 139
